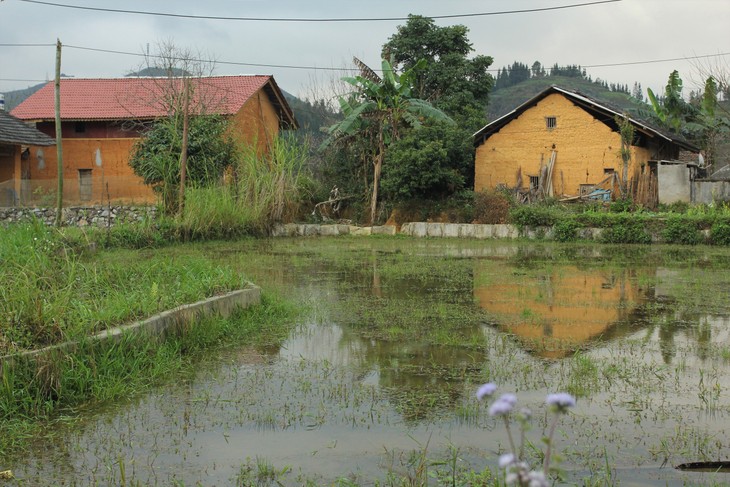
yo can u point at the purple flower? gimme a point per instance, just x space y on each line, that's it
536 478
506 460
560 401
486 390
503 405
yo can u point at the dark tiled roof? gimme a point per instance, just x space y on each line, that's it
16 132
589 104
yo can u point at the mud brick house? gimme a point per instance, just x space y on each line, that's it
101 119
16 137
567 144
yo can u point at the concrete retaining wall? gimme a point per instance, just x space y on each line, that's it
169 321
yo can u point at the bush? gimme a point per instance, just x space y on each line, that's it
566 230
491 207
620 206
683 231
534 216
720 233
626 230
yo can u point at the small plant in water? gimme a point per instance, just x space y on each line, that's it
517 470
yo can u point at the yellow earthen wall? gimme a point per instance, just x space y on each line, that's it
568 308
584 145
114 179
257 121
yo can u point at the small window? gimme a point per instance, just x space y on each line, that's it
80 127
607 171
551 122
534 182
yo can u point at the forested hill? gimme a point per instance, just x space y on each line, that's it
504 100
518 82
16 97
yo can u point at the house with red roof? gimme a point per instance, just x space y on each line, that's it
102 119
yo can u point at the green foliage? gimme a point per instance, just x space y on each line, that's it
377 112
491 207
720 232
626 229
566 230
50 292
530 216
429 163
34 389
266 188
156 157
681 230
453 82
621 206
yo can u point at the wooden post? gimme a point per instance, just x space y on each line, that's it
59 148
184 152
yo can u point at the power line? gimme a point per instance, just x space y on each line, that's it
318 68
351 19
211 61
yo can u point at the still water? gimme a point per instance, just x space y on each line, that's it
377 379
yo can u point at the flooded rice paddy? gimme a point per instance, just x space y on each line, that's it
375 385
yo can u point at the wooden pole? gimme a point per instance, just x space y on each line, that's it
184 152
59 148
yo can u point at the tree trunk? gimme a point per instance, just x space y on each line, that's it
378 167
184 151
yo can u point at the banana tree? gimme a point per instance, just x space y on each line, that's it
380 107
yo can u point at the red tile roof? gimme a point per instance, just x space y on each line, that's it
136 98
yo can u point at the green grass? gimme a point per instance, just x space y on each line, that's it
36 391
50 292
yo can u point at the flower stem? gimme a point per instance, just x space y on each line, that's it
548 451
509 435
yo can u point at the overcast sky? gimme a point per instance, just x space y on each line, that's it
618 32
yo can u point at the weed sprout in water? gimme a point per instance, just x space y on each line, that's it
517 470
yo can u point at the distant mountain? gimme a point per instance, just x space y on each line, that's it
157 72
16 97
311 116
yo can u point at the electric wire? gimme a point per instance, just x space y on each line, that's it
350 19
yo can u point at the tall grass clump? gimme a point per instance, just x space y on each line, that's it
265 187
271 184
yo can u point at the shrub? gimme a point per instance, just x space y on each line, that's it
620 206
679 230
720 233
534 216
626 230
566 230
491 207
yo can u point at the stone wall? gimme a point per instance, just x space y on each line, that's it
98 216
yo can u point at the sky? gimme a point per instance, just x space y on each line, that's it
623 31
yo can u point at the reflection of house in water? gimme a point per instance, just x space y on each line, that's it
559 311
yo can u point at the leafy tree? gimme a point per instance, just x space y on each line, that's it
378 110
452 81
671 109
156 157
431 162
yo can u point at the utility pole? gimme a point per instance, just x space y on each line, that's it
184 151
59 148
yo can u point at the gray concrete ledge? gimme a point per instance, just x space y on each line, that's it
173 320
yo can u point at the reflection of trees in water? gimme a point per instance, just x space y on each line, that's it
421 381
